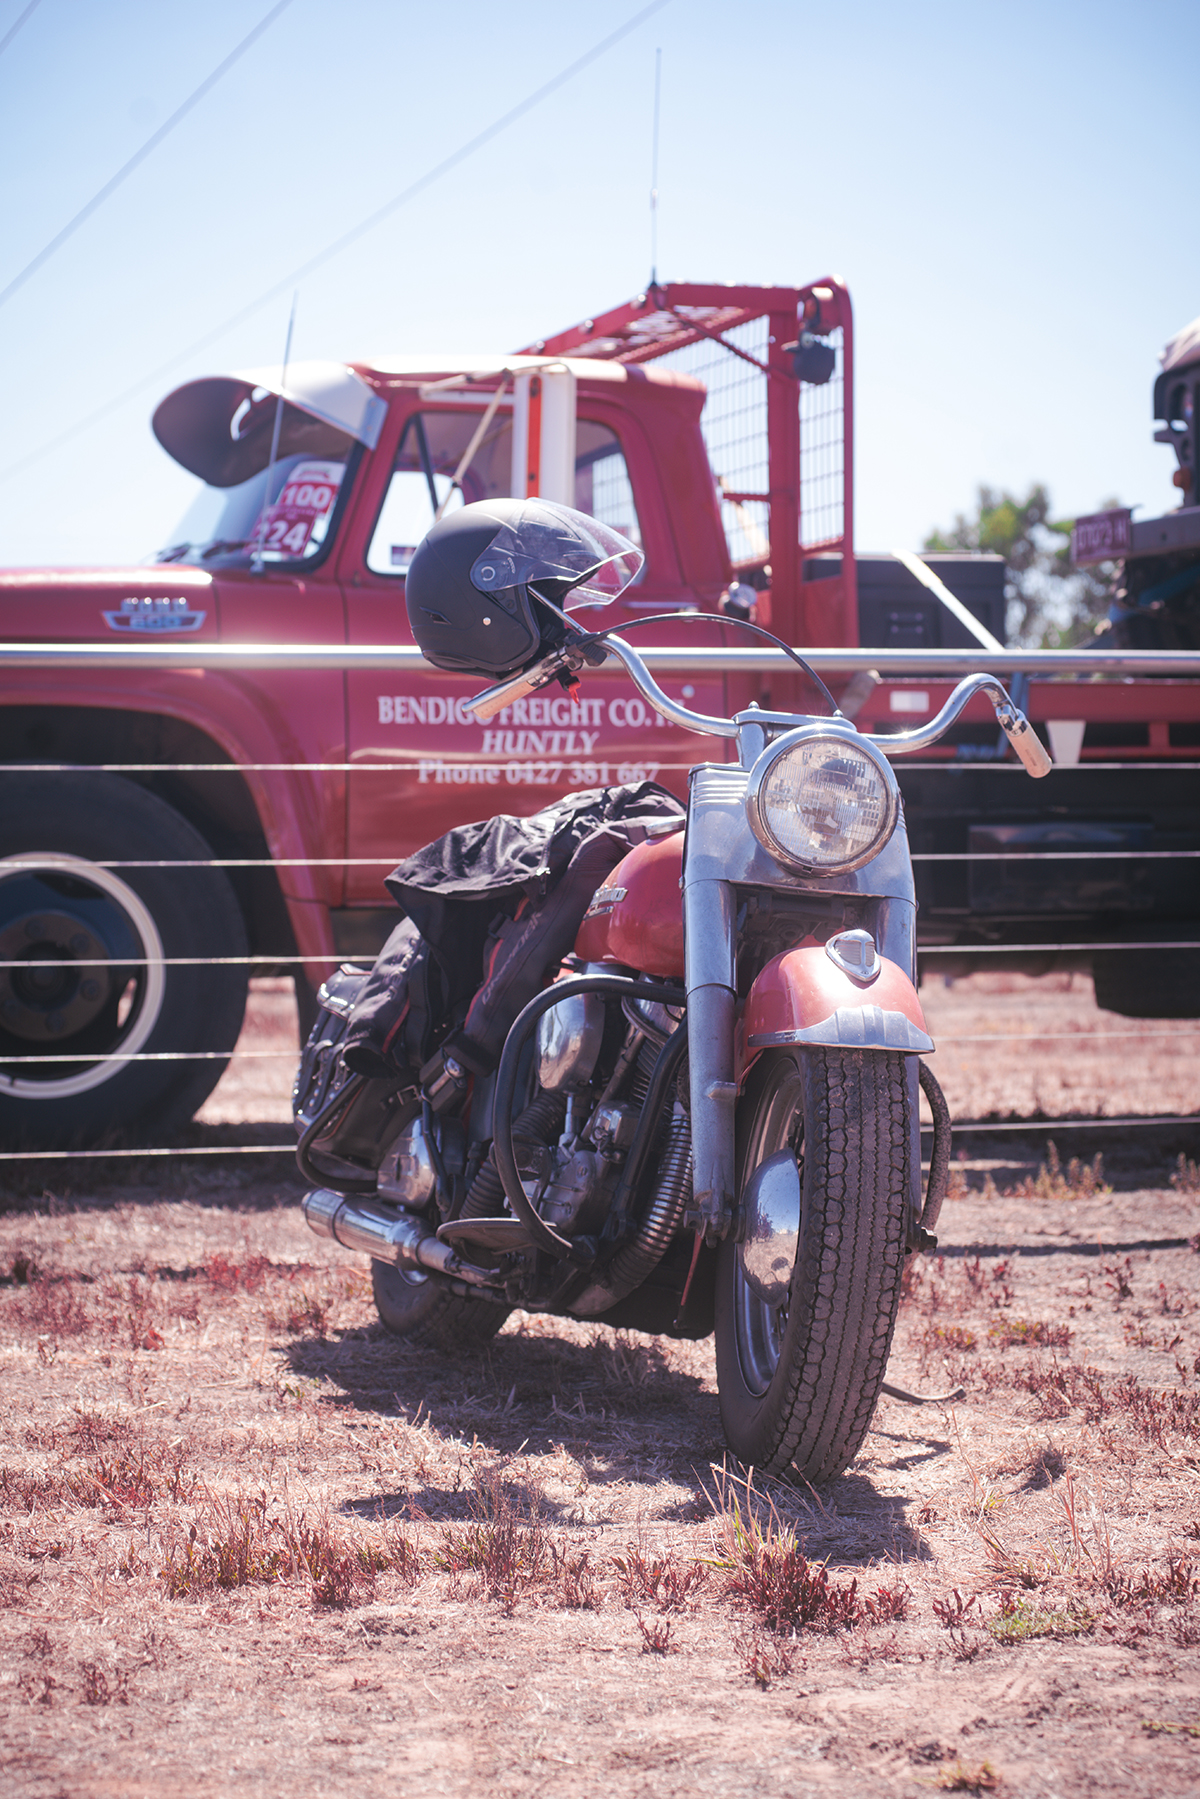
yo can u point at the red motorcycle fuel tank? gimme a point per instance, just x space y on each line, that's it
636 918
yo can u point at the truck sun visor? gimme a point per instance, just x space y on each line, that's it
220 427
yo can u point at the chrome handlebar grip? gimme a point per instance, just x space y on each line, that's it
1025 740
485 705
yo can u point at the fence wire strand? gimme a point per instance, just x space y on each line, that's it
1029 1127
17 864
1186 1030
322 958
352 768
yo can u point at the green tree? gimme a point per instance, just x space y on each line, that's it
1051 603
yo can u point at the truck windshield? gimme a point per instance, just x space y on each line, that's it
292 524
431 448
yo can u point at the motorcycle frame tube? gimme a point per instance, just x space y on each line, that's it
661 1081
325 1117
506 1086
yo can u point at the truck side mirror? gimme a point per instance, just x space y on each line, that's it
1175 397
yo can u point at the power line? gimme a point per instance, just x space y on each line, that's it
409 193
139 156
12 31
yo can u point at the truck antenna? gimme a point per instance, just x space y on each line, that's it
654 172
257 559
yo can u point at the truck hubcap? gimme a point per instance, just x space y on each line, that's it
80 974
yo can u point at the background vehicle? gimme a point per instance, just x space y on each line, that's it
715 425
718 1129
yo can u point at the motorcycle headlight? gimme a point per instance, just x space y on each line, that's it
822 800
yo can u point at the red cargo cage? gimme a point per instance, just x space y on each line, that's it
778 363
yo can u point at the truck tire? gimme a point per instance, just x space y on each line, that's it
420 1307
798 1378
1148 983
108 929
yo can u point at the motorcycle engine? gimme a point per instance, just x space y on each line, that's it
577 1198
407 1175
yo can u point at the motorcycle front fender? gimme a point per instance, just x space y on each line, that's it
802 997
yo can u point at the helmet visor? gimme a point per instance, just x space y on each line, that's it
548 542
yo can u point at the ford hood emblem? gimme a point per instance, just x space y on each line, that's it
155 616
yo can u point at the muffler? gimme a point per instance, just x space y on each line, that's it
405 1242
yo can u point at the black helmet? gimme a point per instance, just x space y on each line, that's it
477 582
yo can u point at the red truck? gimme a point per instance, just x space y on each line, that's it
180 814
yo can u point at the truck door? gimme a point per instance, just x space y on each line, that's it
422 763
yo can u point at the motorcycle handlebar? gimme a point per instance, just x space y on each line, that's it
1012 720
648 687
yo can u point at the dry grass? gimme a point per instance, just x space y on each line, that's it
210 1445
1079 1180
240 1541
766 1567
1186 1178
248 1542
763 1657
963 1778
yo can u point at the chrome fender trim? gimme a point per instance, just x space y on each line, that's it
852 1027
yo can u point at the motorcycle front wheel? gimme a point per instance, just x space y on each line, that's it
799 1372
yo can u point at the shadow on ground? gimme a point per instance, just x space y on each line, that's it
622 1408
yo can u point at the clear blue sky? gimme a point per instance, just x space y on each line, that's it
1008 189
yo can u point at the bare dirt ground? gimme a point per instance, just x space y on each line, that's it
251 1545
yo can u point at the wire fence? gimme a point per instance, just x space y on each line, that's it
1136 1031
736 408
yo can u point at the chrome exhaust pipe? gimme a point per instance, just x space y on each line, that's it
406 1242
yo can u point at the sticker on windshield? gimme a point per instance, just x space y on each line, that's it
307 499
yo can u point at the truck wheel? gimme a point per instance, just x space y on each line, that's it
799 1371
105 932
1152 983
418 1306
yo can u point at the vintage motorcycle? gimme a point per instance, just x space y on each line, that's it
705 1118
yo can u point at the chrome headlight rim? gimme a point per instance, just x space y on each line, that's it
828 731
